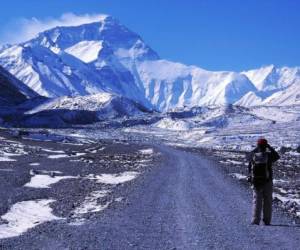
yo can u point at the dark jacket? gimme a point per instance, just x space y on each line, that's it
273 156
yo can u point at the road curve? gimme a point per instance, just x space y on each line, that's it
185 203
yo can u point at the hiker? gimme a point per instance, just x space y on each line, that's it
261 177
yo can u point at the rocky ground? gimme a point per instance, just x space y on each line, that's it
286 175
62 178
187 201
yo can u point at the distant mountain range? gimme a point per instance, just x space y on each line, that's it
107 58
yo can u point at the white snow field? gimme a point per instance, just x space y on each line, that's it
11 150
25 215
113 179
90 103
171 124
6 159
86 51
228 127
91 204
148 151
45 181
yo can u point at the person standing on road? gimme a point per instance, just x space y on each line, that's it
261 177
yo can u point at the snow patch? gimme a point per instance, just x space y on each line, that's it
57 156
6 170
6 159
279 181
14 149
94 102
44 181
34 164
86 51
119 199
90 204
170 124
293 153
148 151
234 162
285 199
114 179
25 215
239 176
53 151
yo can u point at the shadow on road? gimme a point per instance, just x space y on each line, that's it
284 225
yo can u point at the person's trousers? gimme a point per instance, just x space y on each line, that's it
262 200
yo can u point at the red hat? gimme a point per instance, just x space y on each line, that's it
262 142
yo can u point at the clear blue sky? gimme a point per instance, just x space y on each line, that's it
213 34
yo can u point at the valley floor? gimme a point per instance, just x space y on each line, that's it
122 195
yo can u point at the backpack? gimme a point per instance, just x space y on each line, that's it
260 171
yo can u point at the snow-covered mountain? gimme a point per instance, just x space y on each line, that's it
275 86
170 85
67 111
250 99
106 57
104 104
79 60
287 96
271 78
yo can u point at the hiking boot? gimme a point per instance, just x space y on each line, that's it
267 223
254 223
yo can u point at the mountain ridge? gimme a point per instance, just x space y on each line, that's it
106 57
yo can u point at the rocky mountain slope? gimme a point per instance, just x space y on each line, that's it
12 91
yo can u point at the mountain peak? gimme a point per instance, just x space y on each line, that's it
261 77
105 56
108 31
270 66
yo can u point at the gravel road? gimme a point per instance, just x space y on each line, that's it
187 202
